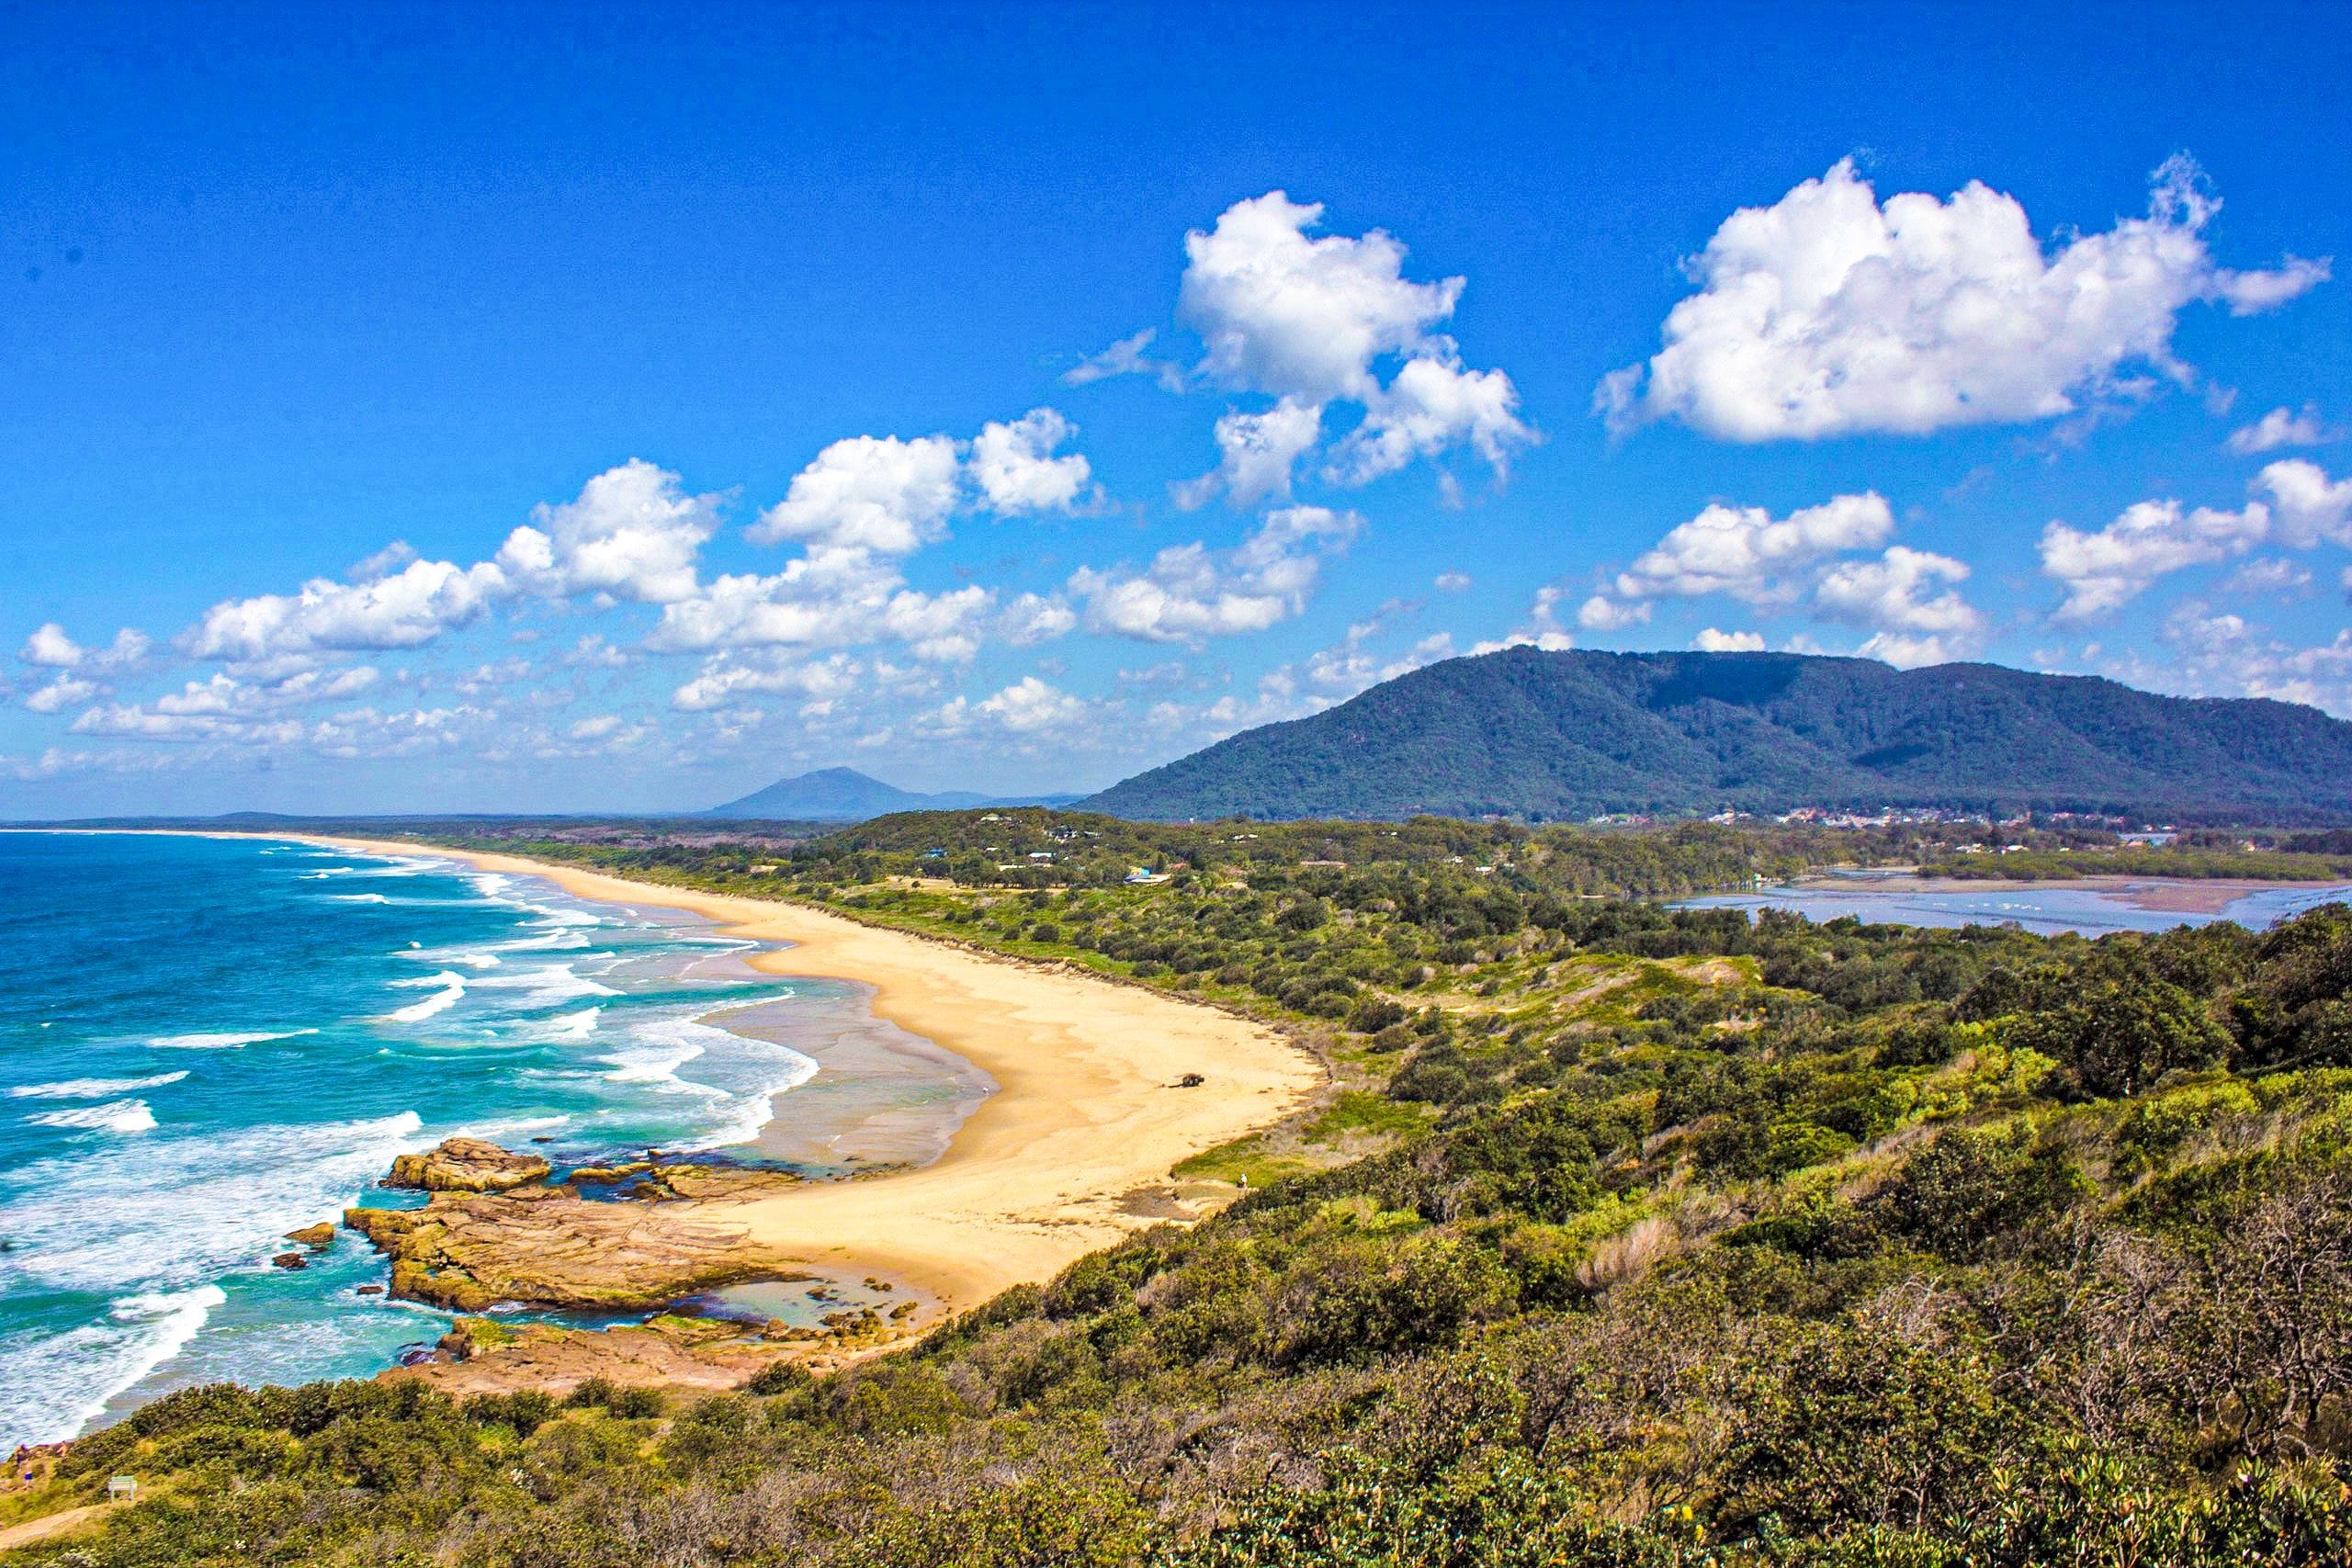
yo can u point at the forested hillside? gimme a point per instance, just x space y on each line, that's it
1625 1237
1564 735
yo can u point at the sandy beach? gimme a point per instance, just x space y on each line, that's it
1085 1111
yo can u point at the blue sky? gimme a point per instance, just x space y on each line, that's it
422 409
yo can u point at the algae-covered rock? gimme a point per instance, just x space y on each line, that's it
465 1165
317 1237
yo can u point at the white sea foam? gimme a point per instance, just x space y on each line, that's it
446 978
736 1076
544 985
563 1026
91 1088
114 1116
512 1127
552 942
53 1385
385 868
359 898
453 986
221 1041
653 1062
152 1215
558 914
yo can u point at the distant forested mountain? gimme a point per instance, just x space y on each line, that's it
844 795
1563 735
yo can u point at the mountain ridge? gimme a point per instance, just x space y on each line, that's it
1573 734
844 795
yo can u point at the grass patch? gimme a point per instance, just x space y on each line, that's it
1357 1112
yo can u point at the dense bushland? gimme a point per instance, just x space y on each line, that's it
1631 1236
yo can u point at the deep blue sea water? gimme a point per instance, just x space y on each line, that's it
2050 907
204 1044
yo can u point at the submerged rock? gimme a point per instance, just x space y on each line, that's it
465 1165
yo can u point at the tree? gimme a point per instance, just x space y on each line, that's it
2114 1027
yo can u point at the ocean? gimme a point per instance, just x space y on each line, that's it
207 1042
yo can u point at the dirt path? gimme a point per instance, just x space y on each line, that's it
49 1526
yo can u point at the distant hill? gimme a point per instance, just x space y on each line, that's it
1566 736
844 795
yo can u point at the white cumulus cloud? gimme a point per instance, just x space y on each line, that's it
1301 317
1258 452
1748 553
1711 640
833 598
1908 598
1602 613
729 676
1015 467
1828 313
50 649
632 533
1305 320
2102 572
1432 404
2283 428
1189 592
2309 506
877 493
65 690
405 609
2294 504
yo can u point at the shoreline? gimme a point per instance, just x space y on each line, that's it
1085 1114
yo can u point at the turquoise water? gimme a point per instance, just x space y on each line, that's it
2048 908
204 1044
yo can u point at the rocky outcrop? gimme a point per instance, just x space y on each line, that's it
317 1237
468 1252
465 1165
488 1356
494 1231
482 1356
706 1182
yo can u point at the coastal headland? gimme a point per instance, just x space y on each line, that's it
1090 1111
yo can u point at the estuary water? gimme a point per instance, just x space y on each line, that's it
207 1042
2048 908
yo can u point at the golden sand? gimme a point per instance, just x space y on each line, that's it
1086 1108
